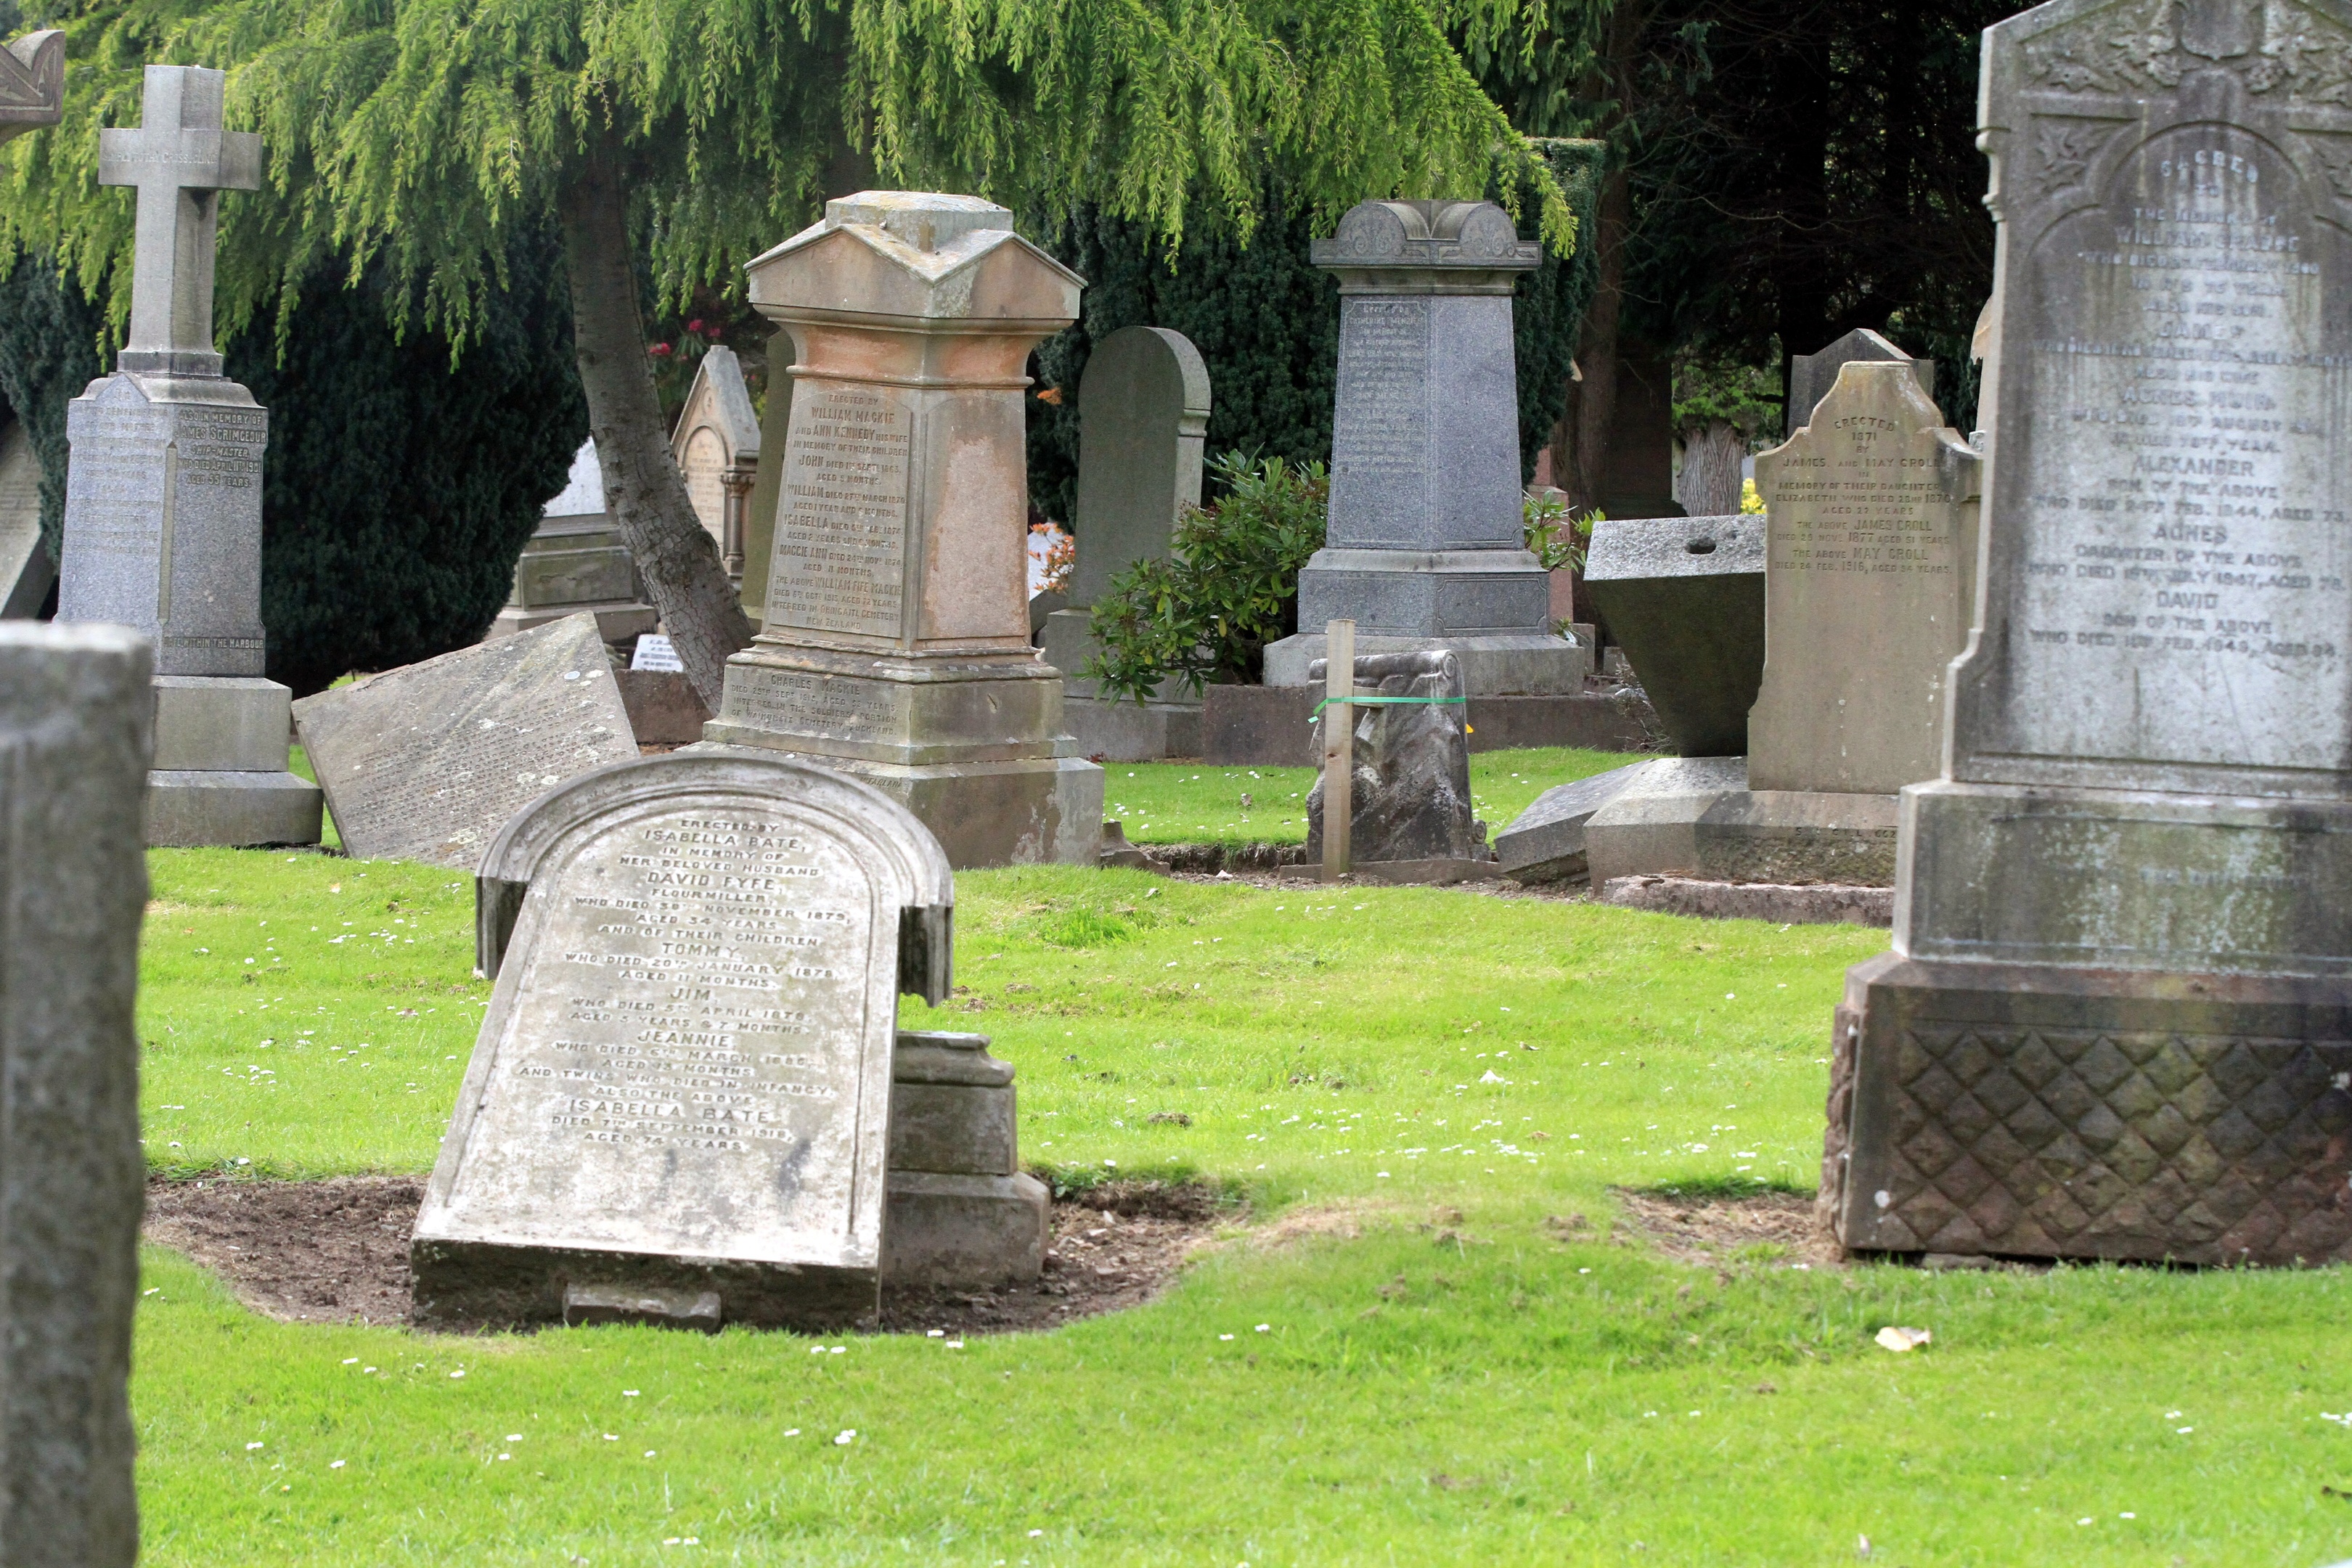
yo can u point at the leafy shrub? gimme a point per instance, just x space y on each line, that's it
1203 614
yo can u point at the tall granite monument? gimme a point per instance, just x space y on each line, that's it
1143 416
895 644
1426 545
163 525
2117 1018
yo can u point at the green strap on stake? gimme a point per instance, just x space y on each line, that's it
1377 703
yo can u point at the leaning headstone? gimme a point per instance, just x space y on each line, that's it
162 524
2117 1018
26 573
1685 598
576 563
1810 376
895 645
32 83
680 1103
1143 413
1410 769
717 447
1425 547
75 717
427 761
1868 588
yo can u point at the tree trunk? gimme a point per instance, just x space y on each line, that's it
1708 485
1596 349
685 575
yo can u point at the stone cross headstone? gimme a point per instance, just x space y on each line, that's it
1425 547
26 573
75 717
576 562
427 761
162 524
717 446
895 644
2117 1018
1810 376
1869 583
1143 416
32 83
680 1097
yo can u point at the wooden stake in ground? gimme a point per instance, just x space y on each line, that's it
1339 745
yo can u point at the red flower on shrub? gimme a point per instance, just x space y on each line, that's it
659 351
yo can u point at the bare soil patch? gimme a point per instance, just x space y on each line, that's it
337 1251
1708 1232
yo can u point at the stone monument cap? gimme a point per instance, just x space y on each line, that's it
928 220
32 83
945 257
1457 235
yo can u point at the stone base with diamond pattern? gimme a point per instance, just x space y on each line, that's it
2044 1113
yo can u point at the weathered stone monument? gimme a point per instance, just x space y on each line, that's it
1684 599
1810 376
26 573
717 447
576 562
32 83
1411 816
427 761
1426 548
895 645
75 725
2115 1022
1143 415
163 527
679 1105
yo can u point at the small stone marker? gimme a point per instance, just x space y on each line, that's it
32 83
685 1078
2117 1018
427 761
75 715
1810 376
1409 809
717 447
26 573
1868 586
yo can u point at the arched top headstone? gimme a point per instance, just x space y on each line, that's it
1143 415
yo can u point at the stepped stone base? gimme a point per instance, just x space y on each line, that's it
1695 816
239 810
220 775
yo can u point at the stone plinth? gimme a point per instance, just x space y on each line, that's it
74 750
963 1214
895 643
684 1083
576 563
1143 413
1684 597
1426 548
2117 1015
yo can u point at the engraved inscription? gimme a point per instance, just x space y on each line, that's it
791 702
1860 505
1383 427
839 559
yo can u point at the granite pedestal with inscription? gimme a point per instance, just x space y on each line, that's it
1143 413
163 527
683 1086
2117 1018
895 644
576 563
429 760
1426 549
75 726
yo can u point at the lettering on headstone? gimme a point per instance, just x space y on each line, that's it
1384 400
839 561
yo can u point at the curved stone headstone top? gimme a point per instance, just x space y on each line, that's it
1810 376
1143 416
32 83
1452 234
682 1085
920 254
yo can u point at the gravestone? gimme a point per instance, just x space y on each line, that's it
717 447
1410 799
1868 588
576 563
26 573
32 83
1143 413
1426 546
895 643
2117 1020
1810 376
683 1087
162 524
1685 598
427 761
75 717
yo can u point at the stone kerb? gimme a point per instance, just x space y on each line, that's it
682 1085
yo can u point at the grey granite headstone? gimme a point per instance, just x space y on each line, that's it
32 83
1425 545
75 718
162 524
2117 1018
1685 598
684 1082
1143 413
1411 780
1810 376
26 573
427 761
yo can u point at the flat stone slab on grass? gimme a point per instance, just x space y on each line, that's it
1545 843
1821 903
427 761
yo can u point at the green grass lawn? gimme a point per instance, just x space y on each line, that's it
1400 1386
1196 803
